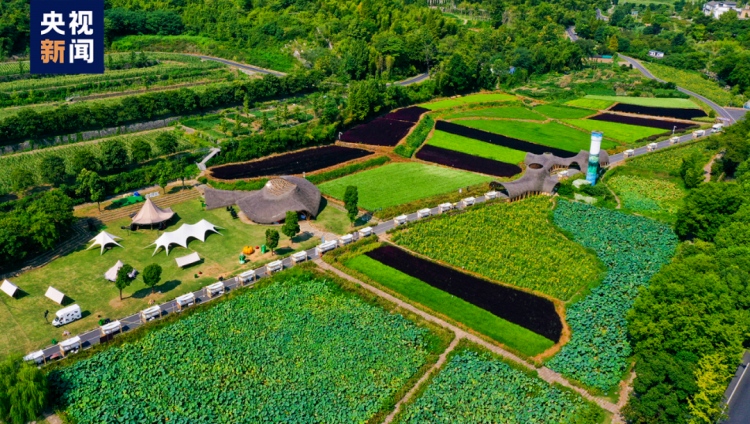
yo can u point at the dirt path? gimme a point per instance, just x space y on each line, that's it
434 368
709 166
544 373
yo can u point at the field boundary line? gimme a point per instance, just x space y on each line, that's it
544 373
408 396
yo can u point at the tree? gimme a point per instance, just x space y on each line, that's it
613 44
711 377
83 158
52 169
706 208
166 142
291 224
152 275
272 239
691 170
91 186
351 198
23 391
114 155
165 172
123 279
22 179
140 150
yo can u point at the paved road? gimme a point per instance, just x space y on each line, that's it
600 16
571 30
94 336
720 111
738 394
414 80
250 68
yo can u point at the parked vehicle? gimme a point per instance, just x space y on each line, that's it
67 315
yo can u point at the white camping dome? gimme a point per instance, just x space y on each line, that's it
102 239
181 235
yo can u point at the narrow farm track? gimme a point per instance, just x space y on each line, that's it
407 397
544 373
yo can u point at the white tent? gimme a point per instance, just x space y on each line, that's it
102 239
111 273
55 295
181 235
9 288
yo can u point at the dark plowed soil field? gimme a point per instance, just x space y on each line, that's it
408 114
668 112
643 122
379 132
500 140
467 162
531 312
291 163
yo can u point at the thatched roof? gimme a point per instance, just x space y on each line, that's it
271 203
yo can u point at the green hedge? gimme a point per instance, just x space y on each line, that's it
416 138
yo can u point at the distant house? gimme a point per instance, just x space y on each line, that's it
634 13
656 54
745 12
747 105
718 8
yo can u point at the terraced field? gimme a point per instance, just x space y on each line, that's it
475 147
621 132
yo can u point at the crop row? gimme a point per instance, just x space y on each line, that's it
511 243
378 132
633 248
678 113
22 67
519 307
31 161
299 350
642 122
308 160
475 387
467 162
500 140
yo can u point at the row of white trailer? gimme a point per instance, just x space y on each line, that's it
73 312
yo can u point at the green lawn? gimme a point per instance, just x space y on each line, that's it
694 81
588 103
563 112
507 333
399 183
649 101
550 134
80 276
511 112
473 98
475 147
623 132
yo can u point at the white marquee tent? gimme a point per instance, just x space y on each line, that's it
111 273
55 295
181 235
102 239
9 288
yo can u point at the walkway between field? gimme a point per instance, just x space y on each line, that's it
213 152
709 166
544 372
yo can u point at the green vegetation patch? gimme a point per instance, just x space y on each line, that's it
563 112
477 387
80 275
550 134
511 243
299 348
588 103
647 194
507 333
473 98
475 147
669 160
402 182
694 81
633 248
649 101
622 132
511 112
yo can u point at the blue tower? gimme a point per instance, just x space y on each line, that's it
593 168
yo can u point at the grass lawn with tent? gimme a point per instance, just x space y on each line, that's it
80 276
